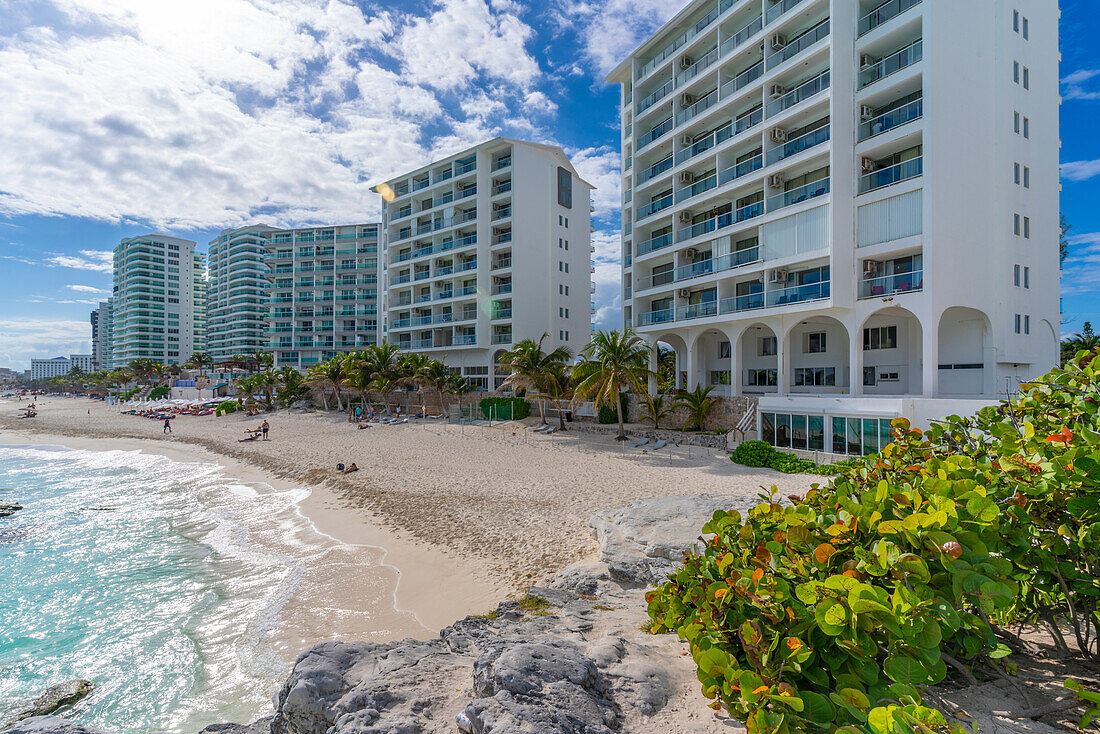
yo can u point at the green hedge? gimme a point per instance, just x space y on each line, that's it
504 409
607 414
128 394
762 454
226 406
158 392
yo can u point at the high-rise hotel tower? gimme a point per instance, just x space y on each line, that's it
846 207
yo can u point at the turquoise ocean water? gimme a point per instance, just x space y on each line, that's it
141 574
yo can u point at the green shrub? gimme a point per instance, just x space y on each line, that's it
226 406
807 617
128 394
791 464
158 392
505 408
754 453
607 414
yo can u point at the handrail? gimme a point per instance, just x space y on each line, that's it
721 221
701 65
743 79
799 44
654 243
903 58
891 175
892 118
655 170
743 168
815 137
655 97
801 93
798 293
657 131
780 8
799 194
888 285
705 102
738 39
654 206
883 13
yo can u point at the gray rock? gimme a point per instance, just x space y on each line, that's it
50 725
55 698
7 509
260 726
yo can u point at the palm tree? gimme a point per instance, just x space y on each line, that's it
383 362
698 403
437 376
246 385
529 366
614 361
142 369
666 369
657 410
292 386
330 373
266 382
559 386
458 386
198 360
261 360
1087 340
358 380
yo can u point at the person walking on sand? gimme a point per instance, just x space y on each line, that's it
167 425
263 427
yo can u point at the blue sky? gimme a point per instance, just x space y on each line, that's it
126 116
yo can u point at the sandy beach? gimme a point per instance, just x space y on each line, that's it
465 515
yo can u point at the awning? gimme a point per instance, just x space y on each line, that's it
218 387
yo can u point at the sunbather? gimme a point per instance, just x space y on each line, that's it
351 468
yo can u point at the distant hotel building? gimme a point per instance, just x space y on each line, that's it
820 212
44 369
322 294
102 327
236 292
484 248
153 307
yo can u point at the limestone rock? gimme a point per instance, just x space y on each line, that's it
50 725
54 698
7 509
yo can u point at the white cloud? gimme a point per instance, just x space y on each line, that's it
86 289
611 29
607 279
601 168
100 261
1080 170
1073 85
24 339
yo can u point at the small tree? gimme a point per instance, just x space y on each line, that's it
656 410
698 403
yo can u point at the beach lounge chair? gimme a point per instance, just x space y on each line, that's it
545 429
542 427
655 447
552 429
398 422
639 444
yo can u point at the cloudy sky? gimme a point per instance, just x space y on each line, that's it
125 116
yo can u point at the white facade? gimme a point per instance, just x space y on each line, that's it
153 305
827 198
44 369
322 292
483 249
85 362
102 328
236 292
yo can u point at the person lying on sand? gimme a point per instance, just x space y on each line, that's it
361 426
253 434
351 468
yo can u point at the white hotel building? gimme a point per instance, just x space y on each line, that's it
848 208
236 292
483 249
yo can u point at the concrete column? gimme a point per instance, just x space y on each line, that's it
855 362
652 382
782 365
692 360
930 356
735 364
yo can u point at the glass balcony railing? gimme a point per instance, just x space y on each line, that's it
502 338
699 107
775 11
502 188
799 195
892 64
889 285
656 132
742 80
695 270
678 43
421 184
651 99
467 339
656 243
889 120
799 144
698 67
697 188
654 206
697 310
503 163
799 94
798 294
465 167
738 39
800 44
656 317
744 168
883 13
655 170
722 220
748 302
420 344
894 174
739 258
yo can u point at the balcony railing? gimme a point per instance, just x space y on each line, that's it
421 184
503 163
889 285
744 168
656 132
742 80
655 243
797 45
502 263
798 195
654 206
775 11
469 265
502 288
466 167
739 258
748 302
702 105
799 94
656 317
738 39
889 120
694 270
799 144
883 13
892 64
655 170
722 220
502 213
652 99
697 310
502 188
678 43
502 238
894 174
503 313
798 294
698 67
420 344
502 339
697 188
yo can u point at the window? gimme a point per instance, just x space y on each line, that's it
1016 122
723 350
768 346
760 378
1027 277
1027 324
1017 329
1016 71
1016 21
561 311
802 432
559 220
1016 275
565 188
1025 29
567 222
1016 173
567 313
561 335
1027 128
880 337
566 336
888 376
1016 224
560 241
567 290
815 376
561 289
815 342
1027 177
561 266
1027 77
567 267
567 244
1027 228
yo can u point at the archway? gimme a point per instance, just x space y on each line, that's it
679 348
817 357
712 353
758 359
964 338
890 353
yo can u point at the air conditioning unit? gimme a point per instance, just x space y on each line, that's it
870 268
778 276
684 293
686 141
686 100
687 177
685 217
686 62
779 135
867 165
866 113
778 41
866 60
776 180
776 91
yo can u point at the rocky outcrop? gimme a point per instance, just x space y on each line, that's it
56 698
50 725
7 509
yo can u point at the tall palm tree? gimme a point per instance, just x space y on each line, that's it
142 369
246 386
358 380
384 365
330 373
529 366
261 360
437 376
559 386
266 382
292 386
458 386
198 361
698 403
614 361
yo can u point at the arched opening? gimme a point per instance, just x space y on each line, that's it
674 366
817 357
892 351
758 352
714 361
965 365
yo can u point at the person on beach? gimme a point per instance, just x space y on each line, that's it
167 425
264 427
351 468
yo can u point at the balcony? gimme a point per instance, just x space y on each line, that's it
694 270
465 166
656 243
502 188
889 120
420 344
698 67
659 130
889 176
799 94
798 294
502 339
469 265
721 221
708 100
502 238
892 64
777 10
502 213
663 316
678 43
744 168
738 39
502 163
740 257
742 80
697 188
890 285
502 288
655 170
799 144
697 310
652 99
799 195
800 44
505 262
883 13
654 206
421 184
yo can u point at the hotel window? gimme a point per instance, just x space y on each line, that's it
1027 277
1027 77
1025 29
1027 177
1016 21
768 346
815 342
1027 228
1016 122
880 337
760 378
1027 128
1016 224
1027 324
803 432
1016 71
567 244
1016 275
567 290
1017 328
723 350
1016 173
815 376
